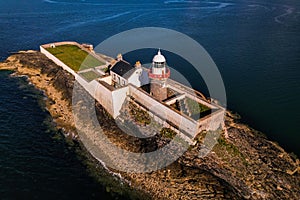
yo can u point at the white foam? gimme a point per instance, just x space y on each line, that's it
220 4
115 16
49 1
258 6
83 2
77 24
179 1
107 169
134 18
289 10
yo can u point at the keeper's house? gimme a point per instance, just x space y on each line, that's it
124 73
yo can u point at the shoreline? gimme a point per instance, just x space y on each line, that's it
182 179
62 116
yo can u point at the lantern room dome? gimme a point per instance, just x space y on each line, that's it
159 58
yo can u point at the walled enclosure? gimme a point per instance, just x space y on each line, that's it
112 100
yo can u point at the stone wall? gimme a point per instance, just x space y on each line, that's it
164 113
167 116
185 89
118 98
209 122
212 122
102 94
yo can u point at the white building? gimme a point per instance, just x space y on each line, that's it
124 73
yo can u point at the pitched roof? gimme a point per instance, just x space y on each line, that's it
123 68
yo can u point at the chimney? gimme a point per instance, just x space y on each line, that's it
138 64
119 57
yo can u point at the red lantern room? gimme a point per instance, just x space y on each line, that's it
159 69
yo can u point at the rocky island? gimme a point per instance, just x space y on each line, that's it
244 164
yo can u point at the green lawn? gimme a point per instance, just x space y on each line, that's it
74 57
89 75
195 107
196 110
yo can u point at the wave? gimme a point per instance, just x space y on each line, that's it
49 1
179 1
108 170
17 75
93 4
77 24
115 16
219 4
258 6
57 2
145 12
85 3
289 10
93 20
134 18
224 5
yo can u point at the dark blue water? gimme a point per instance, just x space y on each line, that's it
254 43
34 162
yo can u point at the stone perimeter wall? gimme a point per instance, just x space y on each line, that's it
165 114
168 117
112 101
209 122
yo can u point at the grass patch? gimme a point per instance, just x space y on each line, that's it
105 69
232 149
74 57
191 108
229 147
89 75
139 115
168 133
195 107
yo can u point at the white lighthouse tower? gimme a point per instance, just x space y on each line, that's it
158 74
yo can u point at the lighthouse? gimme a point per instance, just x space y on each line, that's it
158 74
